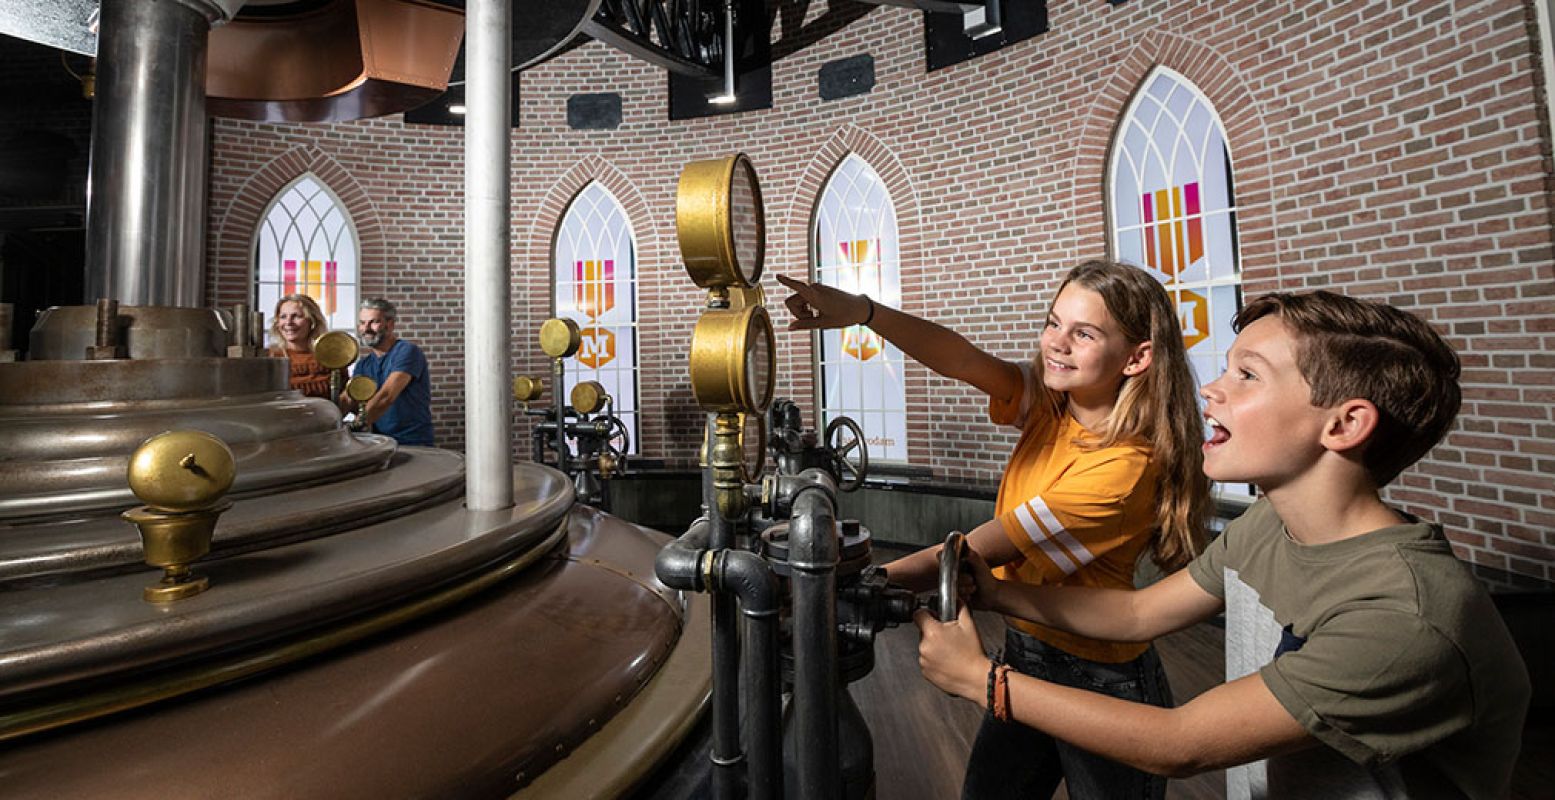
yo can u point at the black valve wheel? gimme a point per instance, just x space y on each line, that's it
947 605
619 441
850 455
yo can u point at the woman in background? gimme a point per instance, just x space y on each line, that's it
296 323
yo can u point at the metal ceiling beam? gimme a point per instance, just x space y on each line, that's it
682 36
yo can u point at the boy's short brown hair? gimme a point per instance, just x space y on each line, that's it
1355 348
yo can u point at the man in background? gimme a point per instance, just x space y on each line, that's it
402 406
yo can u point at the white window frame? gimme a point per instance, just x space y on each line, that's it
344 317
564 284
883 419
1125 237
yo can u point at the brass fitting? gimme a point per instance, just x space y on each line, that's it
728 460
183 478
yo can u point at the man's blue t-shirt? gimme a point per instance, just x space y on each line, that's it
409 419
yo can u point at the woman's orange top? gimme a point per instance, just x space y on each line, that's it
308 375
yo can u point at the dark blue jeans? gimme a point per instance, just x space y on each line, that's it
1010 760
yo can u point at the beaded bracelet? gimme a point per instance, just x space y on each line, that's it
995 660
1001 696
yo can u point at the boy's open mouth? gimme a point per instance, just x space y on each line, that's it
1217 433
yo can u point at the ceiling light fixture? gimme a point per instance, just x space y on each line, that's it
728 97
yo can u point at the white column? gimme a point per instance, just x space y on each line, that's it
488 406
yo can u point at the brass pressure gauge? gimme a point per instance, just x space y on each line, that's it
588 397
335 350
181 471
733 360
720 222
361 388
527 389
559 337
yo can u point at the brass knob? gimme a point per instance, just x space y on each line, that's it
181 471
588 397
361 388
560 337
336 350
527 389
183 478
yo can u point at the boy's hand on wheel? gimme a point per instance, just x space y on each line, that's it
951 654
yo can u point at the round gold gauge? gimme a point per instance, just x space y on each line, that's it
720 222
361 388
733 360
527 389
559 337
588 397
181 471
336 350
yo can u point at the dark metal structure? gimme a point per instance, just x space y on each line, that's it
811 606
684 36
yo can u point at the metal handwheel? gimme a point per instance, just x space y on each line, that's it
619 441
843 436
947 605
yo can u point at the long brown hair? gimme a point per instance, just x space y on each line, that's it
1159 405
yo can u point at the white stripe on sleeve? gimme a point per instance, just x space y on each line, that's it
1039 536
1059 533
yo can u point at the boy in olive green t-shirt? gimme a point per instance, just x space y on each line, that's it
1389 674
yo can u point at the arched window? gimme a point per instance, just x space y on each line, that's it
596 286
855 249
306 244
1173 211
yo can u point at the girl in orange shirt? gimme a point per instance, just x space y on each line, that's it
1107 466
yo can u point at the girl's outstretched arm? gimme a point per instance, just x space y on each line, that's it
816 306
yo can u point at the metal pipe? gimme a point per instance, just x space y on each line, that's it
751 579
256 330
146 195
6 320
558 375
238 336
729 51
727 755
813 554
689 565
488 406
107 323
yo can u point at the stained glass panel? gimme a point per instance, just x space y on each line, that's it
596 286
306 244
1173 212
856 249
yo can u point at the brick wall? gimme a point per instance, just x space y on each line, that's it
1395 151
